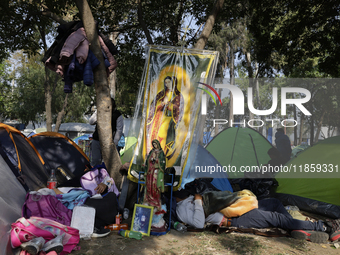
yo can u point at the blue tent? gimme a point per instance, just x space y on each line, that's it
82 137
203 161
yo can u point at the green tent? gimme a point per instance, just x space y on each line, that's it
127 152
317 191
244 149
298 149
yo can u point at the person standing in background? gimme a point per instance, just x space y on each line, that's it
117 122
283 144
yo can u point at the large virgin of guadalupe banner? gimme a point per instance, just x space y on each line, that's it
168 105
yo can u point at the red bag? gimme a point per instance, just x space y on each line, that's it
24 230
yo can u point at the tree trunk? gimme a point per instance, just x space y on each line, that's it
250 75
104 107
113 75
301 129
232 81
319 126
142 22
61 114
249 67
209 24
48 101
312 130
295 128
217 114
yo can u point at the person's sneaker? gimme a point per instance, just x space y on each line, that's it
55 244
33 246
335 232
310 235
100 232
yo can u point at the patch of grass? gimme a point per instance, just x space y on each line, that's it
300 245
205 234
242 244
173 241
170 251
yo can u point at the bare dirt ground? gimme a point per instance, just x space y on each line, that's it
202 243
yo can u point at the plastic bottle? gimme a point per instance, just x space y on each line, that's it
113 227
126 213
118 218
131 234
179 226
52 181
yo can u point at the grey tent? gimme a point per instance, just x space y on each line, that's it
12 197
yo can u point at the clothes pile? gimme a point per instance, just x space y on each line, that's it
70 55
50 217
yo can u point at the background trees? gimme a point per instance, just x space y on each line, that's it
255 39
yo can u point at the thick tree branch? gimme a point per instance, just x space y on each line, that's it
142 23
46 12
202 41
176 27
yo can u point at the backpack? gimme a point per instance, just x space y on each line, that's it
90 180
121 142
24 230
46 206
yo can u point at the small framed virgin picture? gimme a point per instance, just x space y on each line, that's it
142 218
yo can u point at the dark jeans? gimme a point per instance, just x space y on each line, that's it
106 209
271 213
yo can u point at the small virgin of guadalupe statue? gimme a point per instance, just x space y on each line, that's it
154 168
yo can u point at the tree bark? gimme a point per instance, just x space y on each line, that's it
295 128
250 75
142 22
301 129
249 67
316 139
209 24
104 107
312 130
61 114
48 101
113 75
232 82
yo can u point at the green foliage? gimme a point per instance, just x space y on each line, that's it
295 31
5 90
26 101
28 93
79 102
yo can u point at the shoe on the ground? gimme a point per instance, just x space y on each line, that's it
310 235
55 244
100 232
334 235
33 246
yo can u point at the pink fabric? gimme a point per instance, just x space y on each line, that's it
75 40
24 230
110 57
39 253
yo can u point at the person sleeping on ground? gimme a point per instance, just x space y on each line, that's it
242 210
